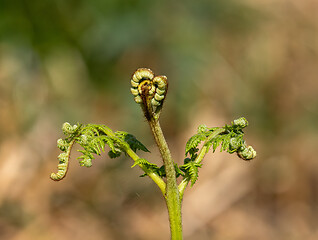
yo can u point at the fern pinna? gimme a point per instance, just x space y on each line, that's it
93 138
149 92
229 138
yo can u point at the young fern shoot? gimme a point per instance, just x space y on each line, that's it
149 92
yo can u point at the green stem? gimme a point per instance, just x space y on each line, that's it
183 185
172 193
154 176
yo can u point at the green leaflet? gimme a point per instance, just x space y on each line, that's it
191 169
194 141
148 167
143 163
153 168
162 171
220 140
134 144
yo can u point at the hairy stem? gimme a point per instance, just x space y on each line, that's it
172 193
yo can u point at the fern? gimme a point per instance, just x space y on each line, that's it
132 141
93 138
153 168
222 140
149 92
162 171
229 138
148 167
143 163
191 169
194 141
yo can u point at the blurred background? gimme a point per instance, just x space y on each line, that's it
72 61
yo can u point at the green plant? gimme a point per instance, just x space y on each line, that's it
150 91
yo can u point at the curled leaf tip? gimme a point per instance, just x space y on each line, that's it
240 122
149 91
202 128
68 128
247 153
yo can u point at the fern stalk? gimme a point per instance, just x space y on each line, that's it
172 197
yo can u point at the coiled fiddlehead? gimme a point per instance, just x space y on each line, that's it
149 91
65 146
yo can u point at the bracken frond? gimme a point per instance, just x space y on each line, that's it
92 138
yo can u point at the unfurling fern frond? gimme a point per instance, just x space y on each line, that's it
70 130
246 152
61 173
149 91
161 87
229 138
92 138
63 158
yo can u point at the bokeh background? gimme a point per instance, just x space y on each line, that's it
72 61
